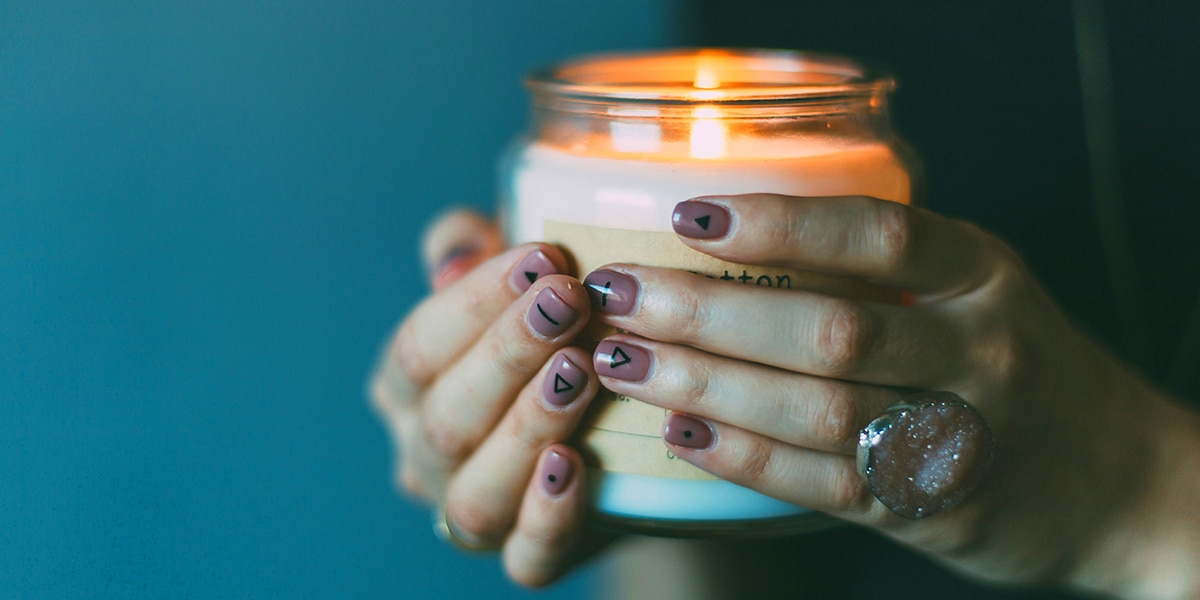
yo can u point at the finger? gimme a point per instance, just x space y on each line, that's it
457 242
541 545
809 478
466 401
810 412
886 242
797 331
485 493
443 326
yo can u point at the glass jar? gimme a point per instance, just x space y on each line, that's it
615 142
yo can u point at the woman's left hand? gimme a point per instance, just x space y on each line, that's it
772 387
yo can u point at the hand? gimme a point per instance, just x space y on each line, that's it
774 386
480 392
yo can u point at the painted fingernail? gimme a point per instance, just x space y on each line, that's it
621 360
564 382
700 220
535 265
457 257
689 432
550 315
556 473
611 292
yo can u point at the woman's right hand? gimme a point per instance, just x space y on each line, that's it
480 392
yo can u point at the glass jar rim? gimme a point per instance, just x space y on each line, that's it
710 75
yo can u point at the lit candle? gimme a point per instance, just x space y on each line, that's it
616 142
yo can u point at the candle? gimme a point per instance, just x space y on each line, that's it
616 142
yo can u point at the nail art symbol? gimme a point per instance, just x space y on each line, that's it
561 385
605 293
550 316
534 266
557 470
624 358
703 221
543 311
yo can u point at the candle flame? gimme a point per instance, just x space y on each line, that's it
708 133
706 78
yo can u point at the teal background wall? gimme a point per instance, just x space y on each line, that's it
209 216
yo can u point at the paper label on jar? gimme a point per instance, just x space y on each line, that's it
623 434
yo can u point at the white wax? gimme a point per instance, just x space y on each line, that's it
552 185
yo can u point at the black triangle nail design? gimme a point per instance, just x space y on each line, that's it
532 276
614 363
561 385
703 221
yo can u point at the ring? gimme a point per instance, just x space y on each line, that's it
444 531
925 454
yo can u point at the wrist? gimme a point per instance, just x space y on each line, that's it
1150 546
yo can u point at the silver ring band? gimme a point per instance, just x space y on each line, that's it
444 531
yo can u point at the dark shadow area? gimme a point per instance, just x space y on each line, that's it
990 96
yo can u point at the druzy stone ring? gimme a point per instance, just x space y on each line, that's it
925 454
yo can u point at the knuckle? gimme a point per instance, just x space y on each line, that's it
528 430
788 232
837 426
895 230
695 385
847 333
409 358
380 397
409 481
849 491
507 358
685 318
445 440
1005 354
474 521
756 460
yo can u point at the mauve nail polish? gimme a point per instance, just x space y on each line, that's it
455 253
612 292
686 431
700 220
564 382
621 360
550 315
556 473
529 269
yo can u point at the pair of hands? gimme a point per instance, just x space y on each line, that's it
470 386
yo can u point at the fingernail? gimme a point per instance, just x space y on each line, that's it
564 382
535 265
550 315
611 292
556 473
621 360
700 220
689 432
458 255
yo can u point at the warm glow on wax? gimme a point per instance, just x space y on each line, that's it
708 133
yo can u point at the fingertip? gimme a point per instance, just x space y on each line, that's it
570 379
706 218
558 307
539 551
457 242
559 471
537 260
